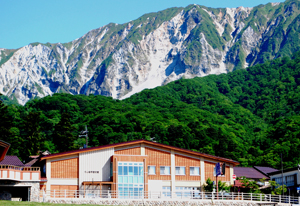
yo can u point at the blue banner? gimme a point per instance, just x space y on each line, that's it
218 169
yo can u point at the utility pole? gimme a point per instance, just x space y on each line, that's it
85 134
217 187
282 174
220 170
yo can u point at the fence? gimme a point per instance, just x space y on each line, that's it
177 195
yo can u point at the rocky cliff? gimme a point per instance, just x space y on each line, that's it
157 48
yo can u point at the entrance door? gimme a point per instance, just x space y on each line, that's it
9 192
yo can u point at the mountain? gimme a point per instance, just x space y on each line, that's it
252 116
153 50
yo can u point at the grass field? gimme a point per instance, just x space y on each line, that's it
12 203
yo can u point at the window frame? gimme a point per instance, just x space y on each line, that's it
154 169
290 180
194 174
165 167
180 170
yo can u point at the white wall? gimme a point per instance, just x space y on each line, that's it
18 175
155 185
36 176
26 176
11 175
71 181
288 174
4 174
95 161
48 172
187 184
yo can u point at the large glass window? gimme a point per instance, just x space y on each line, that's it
194 171
165 170
130 179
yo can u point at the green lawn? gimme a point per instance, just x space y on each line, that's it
12 203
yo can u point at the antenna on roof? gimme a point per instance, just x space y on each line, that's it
85 133
152 139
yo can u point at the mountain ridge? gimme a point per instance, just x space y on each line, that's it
252 116
119 60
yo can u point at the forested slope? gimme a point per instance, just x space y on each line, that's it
248 115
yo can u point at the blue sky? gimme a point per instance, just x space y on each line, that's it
23 22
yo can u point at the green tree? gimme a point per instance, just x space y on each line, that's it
32 133
250 185
276 188
222 186
5 123
209 185
64 134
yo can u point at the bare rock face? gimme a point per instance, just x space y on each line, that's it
120 60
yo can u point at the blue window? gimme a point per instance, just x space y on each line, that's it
130 170
120 179
120 170
130 179
125 168
125 179
136 170
135 179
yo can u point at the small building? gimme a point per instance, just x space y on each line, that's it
17 181
265 170
131 168
256 173
291 178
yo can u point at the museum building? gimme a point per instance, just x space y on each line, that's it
135 167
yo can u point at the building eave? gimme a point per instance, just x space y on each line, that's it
74 152
5 147
284 171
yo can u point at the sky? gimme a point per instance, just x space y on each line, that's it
24 22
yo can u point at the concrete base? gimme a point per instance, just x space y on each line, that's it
153 202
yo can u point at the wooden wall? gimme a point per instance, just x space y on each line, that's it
187 162
129 151
61 191
65 168
209 172
158 158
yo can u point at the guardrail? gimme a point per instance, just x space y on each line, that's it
196 195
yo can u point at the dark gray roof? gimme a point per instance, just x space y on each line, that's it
248 172
284 171
31 162
265 170
11 160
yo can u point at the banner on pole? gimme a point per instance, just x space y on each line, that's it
218 169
